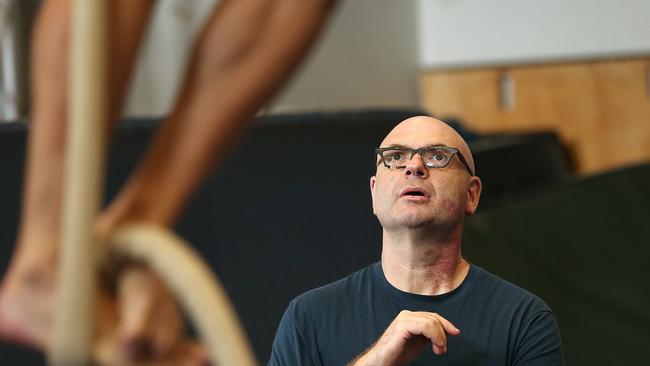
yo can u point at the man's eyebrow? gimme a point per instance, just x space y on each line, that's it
435 145
398 146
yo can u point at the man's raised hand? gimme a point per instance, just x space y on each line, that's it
406 337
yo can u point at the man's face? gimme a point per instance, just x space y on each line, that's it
416 195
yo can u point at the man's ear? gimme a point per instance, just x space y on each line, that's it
473 194
373 180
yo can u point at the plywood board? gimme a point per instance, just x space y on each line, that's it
600 109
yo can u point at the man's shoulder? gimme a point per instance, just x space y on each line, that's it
337 291
499 289
522 320
326 325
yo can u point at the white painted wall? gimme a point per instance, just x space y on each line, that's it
474 32
173 26
366 58
9 83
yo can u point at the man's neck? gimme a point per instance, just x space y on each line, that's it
421 265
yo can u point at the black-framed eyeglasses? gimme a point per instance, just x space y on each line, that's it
433 156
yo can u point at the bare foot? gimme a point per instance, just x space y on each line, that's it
27 297
142 325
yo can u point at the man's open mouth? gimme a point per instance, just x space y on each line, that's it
414 192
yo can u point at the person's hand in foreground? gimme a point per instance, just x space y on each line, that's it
406 337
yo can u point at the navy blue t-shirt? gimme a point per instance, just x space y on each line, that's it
500 323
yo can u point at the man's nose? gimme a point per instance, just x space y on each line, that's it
416 168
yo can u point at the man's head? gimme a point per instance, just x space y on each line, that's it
416 192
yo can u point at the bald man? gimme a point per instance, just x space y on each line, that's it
423 303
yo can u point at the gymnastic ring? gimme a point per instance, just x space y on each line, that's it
195 286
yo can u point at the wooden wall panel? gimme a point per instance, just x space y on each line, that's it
600 109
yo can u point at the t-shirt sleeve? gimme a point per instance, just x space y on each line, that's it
540 344
293 345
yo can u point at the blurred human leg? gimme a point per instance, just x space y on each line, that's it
247 50
245 53
27 291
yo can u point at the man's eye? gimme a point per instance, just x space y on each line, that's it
439 157
396 156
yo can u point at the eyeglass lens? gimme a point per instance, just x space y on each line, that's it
432 157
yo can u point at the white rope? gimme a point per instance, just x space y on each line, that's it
83 188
